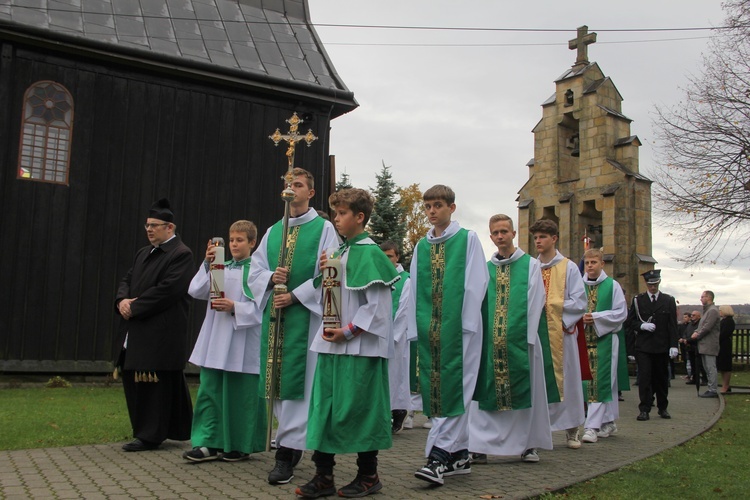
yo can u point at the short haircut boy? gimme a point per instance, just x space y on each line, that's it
594 253
296 172
502 218
245 226
440 192
545 226
358 200
390 245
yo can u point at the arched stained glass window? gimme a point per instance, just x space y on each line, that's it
46 133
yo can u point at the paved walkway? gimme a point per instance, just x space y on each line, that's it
105 471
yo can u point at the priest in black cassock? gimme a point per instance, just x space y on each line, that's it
152 300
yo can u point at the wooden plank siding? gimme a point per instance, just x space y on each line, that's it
137 137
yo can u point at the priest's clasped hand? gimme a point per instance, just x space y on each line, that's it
124 308
648 327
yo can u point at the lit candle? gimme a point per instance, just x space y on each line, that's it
217 270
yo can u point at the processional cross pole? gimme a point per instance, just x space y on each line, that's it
287 195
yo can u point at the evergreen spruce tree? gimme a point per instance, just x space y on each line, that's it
344 183
387 220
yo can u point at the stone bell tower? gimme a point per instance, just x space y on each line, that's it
584 174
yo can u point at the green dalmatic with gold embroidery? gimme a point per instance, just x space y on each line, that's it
504 381
441 270
599 389
302 255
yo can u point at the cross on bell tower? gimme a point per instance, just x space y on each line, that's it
581 42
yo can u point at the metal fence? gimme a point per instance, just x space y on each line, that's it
741 344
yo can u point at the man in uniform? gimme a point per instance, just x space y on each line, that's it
653 318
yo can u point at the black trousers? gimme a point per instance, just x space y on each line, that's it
159 410
653 379
367 462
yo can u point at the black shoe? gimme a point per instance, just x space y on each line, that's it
201 454
432 471
643 416
319 486
398 417
458 465
233 456
282 473
710 394
139 445
479 458
361 486
690 382
664 414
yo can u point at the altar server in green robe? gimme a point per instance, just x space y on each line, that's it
605 313
511 416
308 235
449 280
229 418
350 401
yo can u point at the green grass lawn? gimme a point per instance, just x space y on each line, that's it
713 465
41 417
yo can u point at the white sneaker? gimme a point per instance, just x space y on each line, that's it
409 421
530 455
606 430
589 436
611 428
571 436
428 424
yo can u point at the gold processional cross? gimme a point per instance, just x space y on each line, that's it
581 42
292 138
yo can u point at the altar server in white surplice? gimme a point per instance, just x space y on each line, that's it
510 415
605 314
565 305
229 419
398 367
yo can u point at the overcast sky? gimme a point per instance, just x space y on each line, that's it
457 107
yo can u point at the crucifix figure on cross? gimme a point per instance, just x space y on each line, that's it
581 42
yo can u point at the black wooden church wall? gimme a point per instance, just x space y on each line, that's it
137 136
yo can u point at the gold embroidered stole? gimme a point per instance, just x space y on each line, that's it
554 286
291 243
591 346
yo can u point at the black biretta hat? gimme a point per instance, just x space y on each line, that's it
160 210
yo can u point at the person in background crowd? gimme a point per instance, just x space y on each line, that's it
724 360
707 335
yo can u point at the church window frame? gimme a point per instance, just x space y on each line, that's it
46 136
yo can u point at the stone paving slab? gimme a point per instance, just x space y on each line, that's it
106 472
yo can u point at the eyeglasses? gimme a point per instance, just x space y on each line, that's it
154 225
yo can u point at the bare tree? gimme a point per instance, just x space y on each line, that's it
703 148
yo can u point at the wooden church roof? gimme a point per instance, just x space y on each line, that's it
270 44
